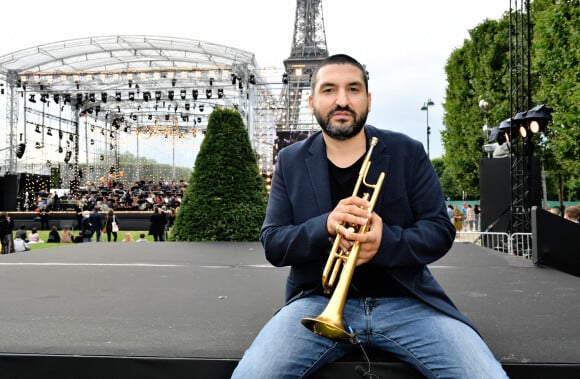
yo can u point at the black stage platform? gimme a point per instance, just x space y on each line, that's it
189 310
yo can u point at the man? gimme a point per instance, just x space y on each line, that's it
394 303
44 211
96 223
6 227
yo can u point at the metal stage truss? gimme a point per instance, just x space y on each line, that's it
77 105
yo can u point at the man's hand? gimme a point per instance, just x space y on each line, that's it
347 217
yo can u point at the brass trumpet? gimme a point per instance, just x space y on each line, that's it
329 323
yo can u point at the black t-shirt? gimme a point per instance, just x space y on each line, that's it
368 280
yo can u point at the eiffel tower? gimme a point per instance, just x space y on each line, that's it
280 120
308 49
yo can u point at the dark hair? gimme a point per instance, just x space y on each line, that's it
339 59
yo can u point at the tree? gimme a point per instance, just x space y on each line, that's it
478 70
226 197
556 62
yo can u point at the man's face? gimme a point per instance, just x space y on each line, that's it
340 101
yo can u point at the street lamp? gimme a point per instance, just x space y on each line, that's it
425 107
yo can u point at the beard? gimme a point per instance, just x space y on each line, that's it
341 130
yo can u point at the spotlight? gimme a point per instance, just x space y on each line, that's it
220 93
38 145
252 79
285 78
60 149
157 95
150 117
131 96
211 81
118 96
208 93
37 129
166 117
171 94
56 98
234 77
194 94
31 99
539 117
92 97
49 132
146 96
182 93
67 98
187 106
43 97
79 99
104 97
67 156
201 107
173 82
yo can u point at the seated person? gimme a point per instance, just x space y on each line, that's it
128 238
572 213
22 233
53 235
141 238
67 236
34 237
20 245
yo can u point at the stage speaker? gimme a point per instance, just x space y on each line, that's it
495 194
9 190
495 185
555 241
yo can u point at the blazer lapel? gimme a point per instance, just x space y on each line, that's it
317 167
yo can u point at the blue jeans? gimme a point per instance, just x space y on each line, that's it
437 345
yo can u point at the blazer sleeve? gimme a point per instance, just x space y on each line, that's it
416 228
294 229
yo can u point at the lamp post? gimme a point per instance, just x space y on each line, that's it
425 107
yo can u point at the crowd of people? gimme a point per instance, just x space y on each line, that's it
141 196
91 226
467 217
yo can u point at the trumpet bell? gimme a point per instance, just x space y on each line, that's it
328 329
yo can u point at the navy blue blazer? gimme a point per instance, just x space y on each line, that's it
416 228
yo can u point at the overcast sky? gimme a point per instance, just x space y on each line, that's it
405 44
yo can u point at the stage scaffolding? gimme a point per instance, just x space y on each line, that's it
76 107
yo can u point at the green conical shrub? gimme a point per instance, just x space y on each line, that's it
226 196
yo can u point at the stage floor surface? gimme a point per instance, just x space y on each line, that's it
209 300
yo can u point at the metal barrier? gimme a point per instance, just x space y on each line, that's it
514 244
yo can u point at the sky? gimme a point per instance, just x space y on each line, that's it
404 44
